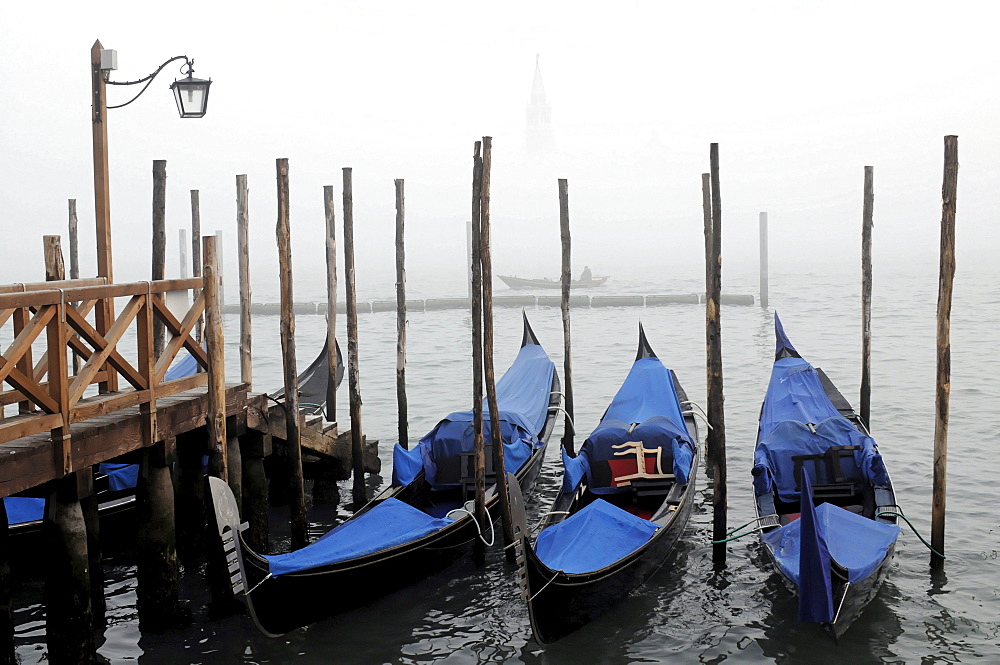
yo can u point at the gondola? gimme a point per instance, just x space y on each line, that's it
624 503
313 382
527 283
416 526
826 509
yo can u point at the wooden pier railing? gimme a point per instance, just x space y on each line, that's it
53 316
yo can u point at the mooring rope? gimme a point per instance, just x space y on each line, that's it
898 512
478 529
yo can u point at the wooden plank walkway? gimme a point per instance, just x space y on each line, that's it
31 461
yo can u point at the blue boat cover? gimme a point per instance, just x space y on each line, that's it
815 585
386 525
646 397
799 419
121 476
22 509
593 538
855 542
186 366
523 400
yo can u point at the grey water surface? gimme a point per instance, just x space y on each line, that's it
688 612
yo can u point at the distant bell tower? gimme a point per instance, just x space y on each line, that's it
538 129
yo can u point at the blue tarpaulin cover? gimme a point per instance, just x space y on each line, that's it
22 509
186 366
593 538
855 542
390 523
795 400
121 476
523 399
647 397
815 585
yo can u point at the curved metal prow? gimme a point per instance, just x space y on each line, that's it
529 334
645 350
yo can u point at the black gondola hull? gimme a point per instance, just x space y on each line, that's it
561 603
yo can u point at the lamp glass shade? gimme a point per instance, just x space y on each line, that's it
191 95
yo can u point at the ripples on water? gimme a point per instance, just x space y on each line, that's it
687 612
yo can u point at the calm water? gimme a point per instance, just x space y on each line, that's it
687 612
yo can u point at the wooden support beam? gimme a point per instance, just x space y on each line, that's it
69 617
283 232
946 280
354 380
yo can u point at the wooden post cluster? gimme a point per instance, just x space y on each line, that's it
479 456
243 251
567 277
401 317
293 438
353 376
486 261
713 334
159 240
946 279
866 295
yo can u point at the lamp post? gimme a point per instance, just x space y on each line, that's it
191 95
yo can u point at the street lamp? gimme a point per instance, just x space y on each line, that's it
191 95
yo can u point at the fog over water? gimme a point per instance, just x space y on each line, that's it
800 97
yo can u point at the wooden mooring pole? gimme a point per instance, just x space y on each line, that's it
331 303
182 246
196 245
486 262
293 437
946 279
159 240
763 260
567 277
354 380
401 317
243 242
713 328
74 260
479 451
55 270
866 295
216 416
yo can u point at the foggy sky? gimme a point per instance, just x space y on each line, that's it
800 97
